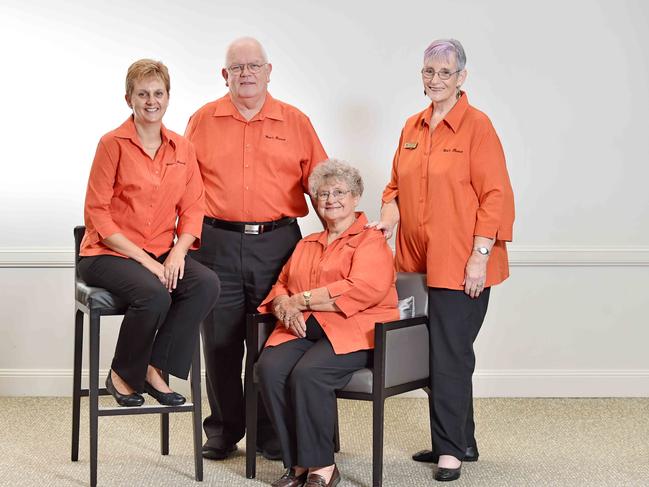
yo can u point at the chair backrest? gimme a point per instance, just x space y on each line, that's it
78 237
414 284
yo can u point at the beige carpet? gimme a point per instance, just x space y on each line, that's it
553 442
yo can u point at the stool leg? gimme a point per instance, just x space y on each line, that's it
164 425
94 394
196 413
76 383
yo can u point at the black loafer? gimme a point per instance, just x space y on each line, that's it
428 456
213 453
448 474
164 398
126 400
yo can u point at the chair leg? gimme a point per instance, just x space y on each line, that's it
164 425
377 440
94 394
251 428
429 393
76 383
196 413
336 432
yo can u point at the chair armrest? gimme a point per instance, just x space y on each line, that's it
401 351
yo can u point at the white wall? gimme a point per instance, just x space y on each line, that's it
565 84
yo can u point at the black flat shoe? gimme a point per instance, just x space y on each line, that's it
448 474
164 398
428 456
126 400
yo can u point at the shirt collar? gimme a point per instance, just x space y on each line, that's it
270 109
128 131
454 117
357 227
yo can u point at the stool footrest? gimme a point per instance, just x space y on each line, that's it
153 409
102 392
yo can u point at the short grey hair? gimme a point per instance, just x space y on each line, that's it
443 47
338 170
245 40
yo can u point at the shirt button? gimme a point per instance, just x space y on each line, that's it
247 165
246 188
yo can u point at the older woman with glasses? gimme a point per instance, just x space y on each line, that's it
337 284
451 195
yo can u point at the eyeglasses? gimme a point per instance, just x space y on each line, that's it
253 68
336 193
443 74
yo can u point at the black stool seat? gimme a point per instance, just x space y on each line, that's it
98 299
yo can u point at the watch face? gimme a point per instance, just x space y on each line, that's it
483 250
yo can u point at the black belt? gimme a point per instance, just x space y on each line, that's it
249 228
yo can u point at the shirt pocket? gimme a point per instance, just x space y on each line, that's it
175 180
338 265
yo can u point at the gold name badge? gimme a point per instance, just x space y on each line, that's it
410 145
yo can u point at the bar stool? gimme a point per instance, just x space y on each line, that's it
97 302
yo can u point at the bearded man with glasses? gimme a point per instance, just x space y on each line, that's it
255 154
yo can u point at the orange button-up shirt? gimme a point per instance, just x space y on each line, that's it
257 170
450 185
140 197
357 269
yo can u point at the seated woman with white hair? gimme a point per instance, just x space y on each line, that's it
337 284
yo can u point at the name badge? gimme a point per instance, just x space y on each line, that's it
410 145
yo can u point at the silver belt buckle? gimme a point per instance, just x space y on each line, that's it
253 229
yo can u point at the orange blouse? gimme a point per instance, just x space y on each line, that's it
140 197
450 185
257 170
357 269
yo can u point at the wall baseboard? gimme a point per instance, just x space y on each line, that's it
518 256
487 383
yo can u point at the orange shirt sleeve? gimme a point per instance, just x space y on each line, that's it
100 191
314 151
490 180
391 191
191 205
370 277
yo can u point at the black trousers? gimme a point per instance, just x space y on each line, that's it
298 381
248 266
454 321
159 327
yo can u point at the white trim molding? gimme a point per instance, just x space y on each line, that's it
519 256
486 383
36 258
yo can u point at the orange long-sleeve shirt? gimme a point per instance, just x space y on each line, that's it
140 197
357 269
257 170
450 186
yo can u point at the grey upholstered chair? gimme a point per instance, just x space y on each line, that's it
400 365
97 302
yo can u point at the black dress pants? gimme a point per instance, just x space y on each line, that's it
159 327
248 266
454 321
298 380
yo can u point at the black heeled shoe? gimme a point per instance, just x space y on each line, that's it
126 400
448 474
164 398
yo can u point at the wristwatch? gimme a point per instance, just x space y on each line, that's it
307 299
482 250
